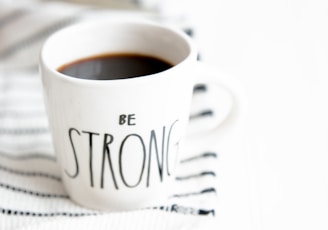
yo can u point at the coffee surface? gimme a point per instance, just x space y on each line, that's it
114 66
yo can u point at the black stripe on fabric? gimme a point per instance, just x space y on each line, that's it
201 156
204 191
23 100
21 114
175 208
29 174
203 212
29 151
30 72
32 193
189 31
28 156
199 57
25 147
14 212
200 88
24 131
204 113
20 86
206 173
12 16
39 35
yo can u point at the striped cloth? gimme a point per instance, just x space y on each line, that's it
31 191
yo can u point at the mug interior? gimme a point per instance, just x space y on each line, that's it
97 38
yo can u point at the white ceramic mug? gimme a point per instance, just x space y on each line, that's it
117 141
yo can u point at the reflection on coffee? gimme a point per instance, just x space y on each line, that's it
114 66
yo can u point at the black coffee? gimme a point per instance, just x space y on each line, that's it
114 66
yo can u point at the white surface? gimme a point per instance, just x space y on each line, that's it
276 177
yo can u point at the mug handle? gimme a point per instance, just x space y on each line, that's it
212 100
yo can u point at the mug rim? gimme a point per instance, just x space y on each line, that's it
191 55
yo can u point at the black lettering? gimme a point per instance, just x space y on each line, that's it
73 175
130 118
108 139
167 148
122 119
121 163
90 154
174 208
160 163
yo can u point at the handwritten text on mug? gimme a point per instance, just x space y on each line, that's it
156 144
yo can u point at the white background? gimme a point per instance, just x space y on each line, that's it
275 174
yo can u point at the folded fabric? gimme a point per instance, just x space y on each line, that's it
31 192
